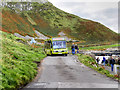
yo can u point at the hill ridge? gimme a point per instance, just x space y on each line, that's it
49 20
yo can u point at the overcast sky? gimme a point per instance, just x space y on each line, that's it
103 11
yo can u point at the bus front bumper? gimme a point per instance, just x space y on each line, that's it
59 52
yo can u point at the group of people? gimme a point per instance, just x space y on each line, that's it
112 62
74 48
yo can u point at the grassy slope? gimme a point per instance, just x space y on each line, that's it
75 26
42 25
99 47
19 62
16 23
90 62
51 20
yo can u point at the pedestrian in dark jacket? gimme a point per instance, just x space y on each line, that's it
73 48
119 60
97 60
112 62
76 48
119 64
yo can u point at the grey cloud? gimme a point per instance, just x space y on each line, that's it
105 13
111 13
108 17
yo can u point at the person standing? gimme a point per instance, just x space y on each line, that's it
119 67
73 48
76 48
119 61
97 60
104 60
33 42
112 62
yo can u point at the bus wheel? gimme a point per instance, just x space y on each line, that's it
65 54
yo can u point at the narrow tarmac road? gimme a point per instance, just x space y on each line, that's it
68 72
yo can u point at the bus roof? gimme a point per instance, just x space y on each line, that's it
56 39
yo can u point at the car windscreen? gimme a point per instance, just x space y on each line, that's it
59 44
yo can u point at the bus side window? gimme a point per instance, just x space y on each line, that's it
45 44
48 44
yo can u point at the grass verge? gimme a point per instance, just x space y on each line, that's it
90 62
19 62
99 47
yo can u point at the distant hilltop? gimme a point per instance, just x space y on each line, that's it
25 18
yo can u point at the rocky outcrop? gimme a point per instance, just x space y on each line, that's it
62 34
40 35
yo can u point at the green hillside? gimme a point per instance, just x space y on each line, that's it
16 23
50 20
19 62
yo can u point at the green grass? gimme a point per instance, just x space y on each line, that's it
99 47
74 26
16 23
90 62
19 62
102 47
30 19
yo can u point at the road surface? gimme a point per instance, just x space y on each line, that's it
68 72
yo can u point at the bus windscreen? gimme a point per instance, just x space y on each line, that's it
59 44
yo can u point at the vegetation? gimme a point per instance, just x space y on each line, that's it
94 47
49 20
99 47
19 62
15 23
90 62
